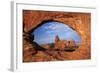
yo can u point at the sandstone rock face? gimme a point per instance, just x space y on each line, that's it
80 22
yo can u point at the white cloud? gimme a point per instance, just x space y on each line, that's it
50 31
56 27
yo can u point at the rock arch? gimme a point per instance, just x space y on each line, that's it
80 22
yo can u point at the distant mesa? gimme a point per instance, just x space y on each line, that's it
64 44
68 45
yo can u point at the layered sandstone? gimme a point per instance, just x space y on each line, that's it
80 22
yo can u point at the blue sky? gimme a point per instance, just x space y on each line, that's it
46 33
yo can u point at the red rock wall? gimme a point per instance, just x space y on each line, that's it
78 21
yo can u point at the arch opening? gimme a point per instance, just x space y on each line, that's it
56 36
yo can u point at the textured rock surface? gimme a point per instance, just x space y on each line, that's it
80 22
